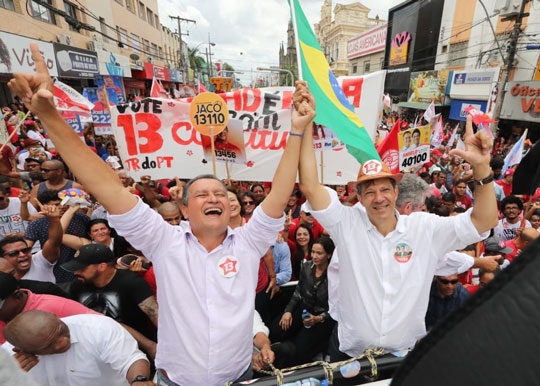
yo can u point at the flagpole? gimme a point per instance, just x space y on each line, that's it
322 167
228 173
213 150
19 124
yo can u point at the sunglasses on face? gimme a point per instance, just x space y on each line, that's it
17 252
248 202
446 282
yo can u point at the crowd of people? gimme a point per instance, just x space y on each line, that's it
207 281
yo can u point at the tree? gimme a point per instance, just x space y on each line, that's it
196 62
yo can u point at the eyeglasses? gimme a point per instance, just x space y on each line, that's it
17 252
248 202
446 282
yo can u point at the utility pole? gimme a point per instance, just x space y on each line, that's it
509 62
181 62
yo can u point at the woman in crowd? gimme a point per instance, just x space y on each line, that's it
237 210
300 248
305 326
258 191
248 203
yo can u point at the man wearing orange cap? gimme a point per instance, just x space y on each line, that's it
387 260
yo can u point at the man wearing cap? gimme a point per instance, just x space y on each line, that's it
80 350
205 336
121 294
496 247
506 182
307 219
387 260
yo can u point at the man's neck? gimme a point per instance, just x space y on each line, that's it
105 278
513 221
209 240
385 226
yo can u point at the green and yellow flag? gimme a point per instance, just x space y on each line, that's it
333 109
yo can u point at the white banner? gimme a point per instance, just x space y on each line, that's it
156 137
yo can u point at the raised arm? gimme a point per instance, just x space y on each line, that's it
478 154
36 91
283 183
309 180
51 248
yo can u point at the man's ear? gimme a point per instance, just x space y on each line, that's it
183 209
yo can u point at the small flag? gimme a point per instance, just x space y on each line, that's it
158 91
333 109
430 112
69 99
388 149
515 155
437 133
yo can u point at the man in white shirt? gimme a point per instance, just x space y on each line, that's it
387 260
79 350
205 333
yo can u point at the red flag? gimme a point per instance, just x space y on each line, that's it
202 88
388 149
158 91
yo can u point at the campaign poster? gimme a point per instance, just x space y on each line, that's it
100 113
113 82
228 144
414 147
325 139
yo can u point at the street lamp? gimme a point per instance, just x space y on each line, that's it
277 69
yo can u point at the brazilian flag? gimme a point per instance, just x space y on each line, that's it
333 109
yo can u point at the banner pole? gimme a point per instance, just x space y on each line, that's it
213 150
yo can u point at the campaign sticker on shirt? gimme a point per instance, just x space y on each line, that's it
402 253
228 266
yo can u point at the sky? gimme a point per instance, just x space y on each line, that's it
247 33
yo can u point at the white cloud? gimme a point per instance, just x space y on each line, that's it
247 33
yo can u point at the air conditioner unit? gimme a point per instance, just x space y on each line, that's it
64 39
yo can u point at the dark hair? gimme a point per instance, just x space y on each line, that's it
511 200
449 196
248 193
371 182
95 221
327 244
48 195
242 212
255 185
10 240
299 254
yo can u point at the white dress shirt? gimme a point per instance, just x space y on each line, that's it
101 353
205 309
383 291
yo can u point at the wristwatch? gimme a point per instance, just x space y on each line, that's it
139 378
485 181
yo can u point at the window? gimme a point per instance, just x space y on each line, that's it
146 46
157 21
121 2
150 16
104 29
354 68
154 49
71 10
129 5
160 52
122 35
366 67
142 14
7 4
134 41
41 13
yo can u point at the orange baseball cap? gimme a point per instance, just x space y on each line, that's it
374 170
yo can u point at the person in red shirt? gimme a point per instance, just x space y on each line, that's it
462 199
525 237
506 182
307 219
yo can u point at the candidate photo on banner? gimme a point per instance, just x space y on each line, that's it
413 147
112 82
102 99
228 145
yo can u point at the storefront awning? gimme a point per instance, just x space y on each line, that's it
416 105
